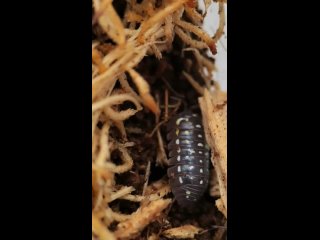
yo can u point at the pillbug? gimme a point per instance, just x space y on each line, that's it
189 158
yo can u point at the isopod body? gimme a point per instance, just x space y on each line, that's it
189 160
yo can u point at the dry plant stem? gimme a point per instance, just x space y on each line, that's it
120 217
115 100
202 60
144 91
195 17
100 230
222 23
111 89
153 192
95 118
133 198
156 128
95 139
125 166
134 130
131 57
104 153
100 6
117 52
168 30
141 218
207 4
183 232
111 24
188 40
194 83
156 51
166 103
159 16
206 67
163 160
98 199
122 192
125 85
117 116
161 154
196 30
171 89
97 59
146 178
134 17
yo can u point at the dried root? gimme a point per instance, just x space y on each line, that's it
144 91
183 232
140 219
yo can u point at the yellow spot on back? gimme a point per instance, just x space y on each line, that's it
179 120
